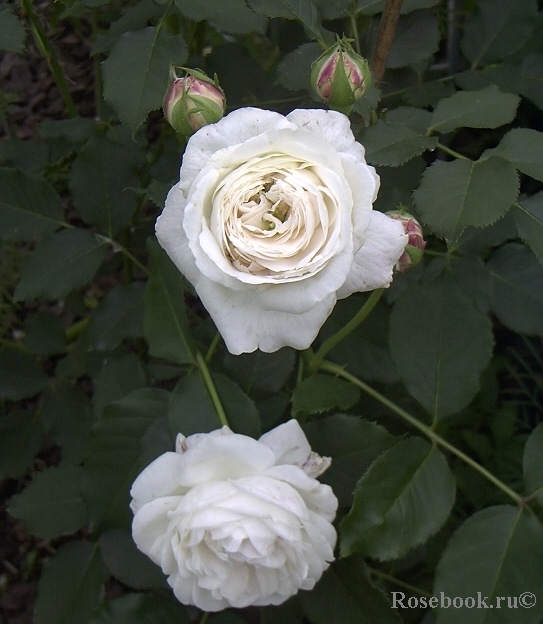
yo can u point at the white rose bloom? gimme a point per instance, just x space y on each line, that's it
234 521
272 222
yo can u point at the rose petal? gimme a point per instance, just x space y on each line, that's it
374 262
246 326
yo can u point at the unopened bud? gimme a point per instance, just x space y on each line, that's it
340 76
192 102
414 250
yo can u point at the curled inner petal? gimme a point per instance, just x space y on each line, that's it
275 216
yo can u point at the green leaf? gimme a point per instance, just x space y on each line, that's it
114 452
240 410
260 372
127 564
29 209
12 32
304 11
67 417
440 361
528 215
119 316
353 444
487 108
517 288
62 262
51 505
101 181
391 145
119 375
345 595
21 437
191 410
294 70
523 147
20 375
453 195
140 609
532 466
532 78
30 156
372 7
498 29
496 552
403 499
232 17
137 71
164 321
417 39
44 334
71 585
366 353
320 393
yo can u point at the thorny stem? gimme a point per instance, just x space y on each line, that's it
211 389
49 54
385 37
335 339
335 369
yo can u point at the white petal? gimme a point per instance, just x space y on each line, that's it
288 443
333 127
158 479
373 264
171 234
246 325
222 457
237 127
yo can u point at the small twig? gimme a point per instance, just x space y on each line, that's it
385 37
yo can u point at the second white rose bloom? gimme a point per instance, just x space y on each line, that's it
234 521
272 222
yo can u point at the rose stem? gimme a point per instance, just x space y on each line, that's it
335 339
385 37
211 389
49 54
335 369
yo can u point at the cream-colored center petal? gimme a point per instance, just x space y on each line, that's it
276 216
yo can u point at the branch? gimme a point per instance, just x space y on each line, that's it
385 37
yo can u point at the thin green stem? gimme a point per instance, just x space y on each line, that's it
47 50
212 347
392 579
211 389
451 152
204 618
76 329
10 344
335 369
340 335
354 28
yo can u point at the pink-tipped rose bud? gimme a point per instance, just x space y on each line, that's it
340 76
414 250
192 102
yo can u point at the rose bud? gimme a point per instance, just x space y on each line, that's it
340 76
414 249
192 102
